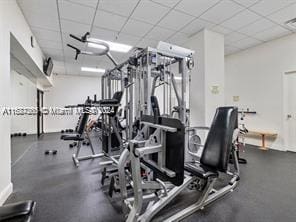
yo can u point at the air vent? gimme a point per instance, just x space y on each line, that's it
291 23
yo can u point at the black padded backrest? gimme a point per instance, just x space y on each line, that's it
155 107
118 96
83 122
219 141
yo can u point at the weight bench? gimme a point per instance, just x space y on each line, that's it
17 212
263 135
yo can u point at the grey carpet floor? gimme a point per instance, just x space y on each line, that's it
65 193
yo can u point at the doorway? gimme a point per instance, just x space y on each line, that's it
40 128
290 110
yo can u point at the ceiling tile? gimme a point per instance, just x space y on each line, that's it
136 28
266 7
50 44
168 3
234 37
178 39
222 30
175 20
284 15
196 8
46 34
109 21
120 7
104 34
256 27
89 3
127 39
246 43
147 42
40 21
197 25
222 11
246 3
73 69
41 7
240 20
144 10
56 54
159 33
229 49
75 12
74 27
272 33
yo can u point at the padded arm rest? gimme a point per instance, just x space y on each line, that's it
73 137
14 210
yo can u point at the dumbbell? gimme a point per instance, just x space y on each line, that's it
19 134
62 131
71 130
87 143
15 134
71 145
67 131
84 143
24 134
53 152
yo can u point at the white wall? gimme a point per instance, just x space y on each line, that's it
11 21
256 76
208 72
68 90
23 94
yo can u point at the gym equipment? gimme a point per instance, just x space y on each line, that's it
20 211
53 152
166 169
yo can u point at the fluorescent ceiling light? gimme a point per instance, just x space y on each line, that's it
116 47
90 69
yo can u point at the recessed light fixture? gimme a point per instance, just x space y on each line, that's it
116 47
90 69
291 23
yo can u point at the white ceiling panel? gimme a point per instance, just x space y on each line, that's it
266 7
56 54
159 33
196 8
50 44
197 25
127 39
272 33
136 28
234 37
70 58
73 69
120 7
92 61
222 30
246 43
149 12
247 3
147 42
40 21
104 34
178 39
222 11
46 34
89 3
284 15
175 20
168 3
109 21
229 49
257 26
75 12
240 20
74 27
48 7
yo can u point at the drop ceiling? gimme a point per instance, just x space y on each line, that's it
245 23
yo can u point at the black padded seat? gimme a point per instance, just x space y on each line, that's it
17 210
73 137
200 171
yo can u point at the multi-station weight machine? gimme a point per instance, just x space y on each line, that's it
153 144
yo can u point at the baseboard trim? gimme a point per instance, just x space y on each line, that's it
4 194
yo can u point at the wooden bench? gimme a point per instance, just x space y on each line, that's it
263 135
